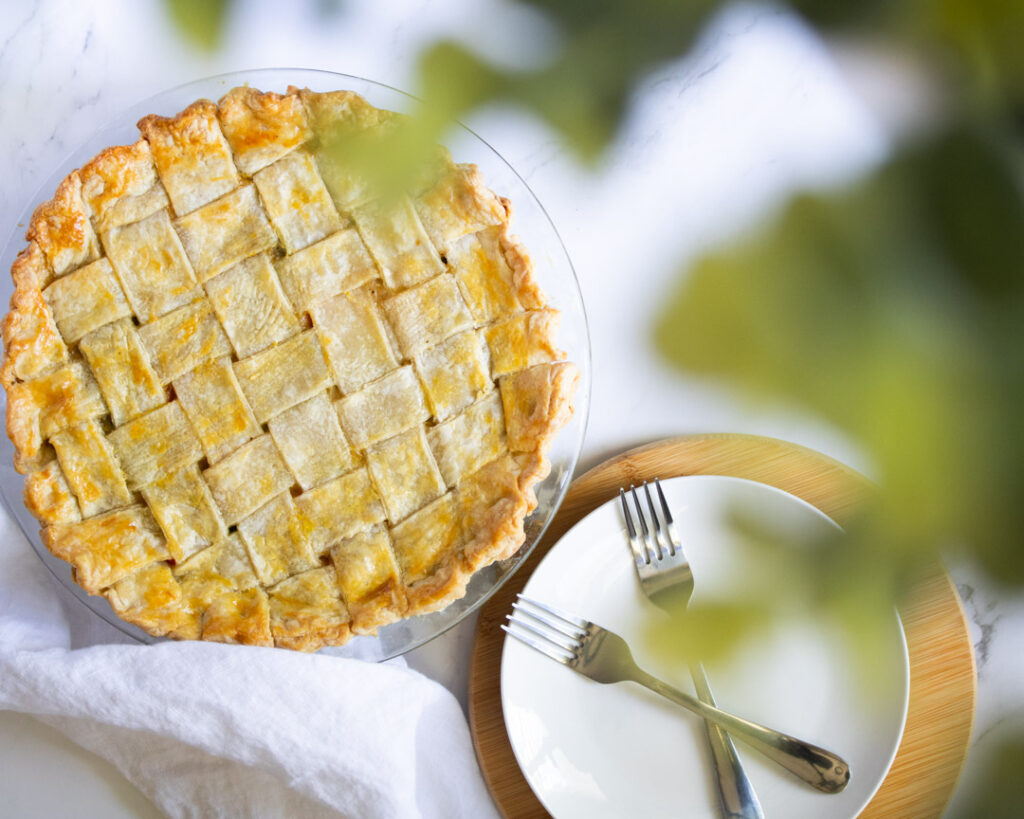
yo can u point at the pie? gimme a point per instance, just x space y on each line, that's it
256 402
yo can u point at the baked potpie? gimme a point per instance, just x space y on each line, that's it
253 402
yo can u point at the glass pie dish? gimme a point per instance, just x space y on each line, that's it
552 271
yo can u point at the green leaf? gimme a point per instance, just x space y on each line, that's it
200 22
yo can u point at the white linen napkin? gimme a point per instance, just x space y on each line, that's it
209 730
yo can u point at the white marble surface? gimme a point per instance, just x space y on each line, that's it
713 142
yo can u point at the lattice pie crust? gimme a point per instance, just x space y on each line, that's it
256 405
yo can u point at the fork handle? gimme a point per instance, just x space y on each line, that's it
817 767
734 789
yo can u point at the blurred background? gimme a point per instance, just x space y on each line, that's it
815 210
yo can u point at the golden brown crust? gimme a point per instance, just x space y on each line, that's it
538 403
241 617
48 496
32 344
30 270
523 340
104 549
137 325
62 229
152 600
457 204
191 156
527 289
344 110
427 546
310 634
41 407
494 503
306 612
261 126
368 580
444 586
384 605
120 185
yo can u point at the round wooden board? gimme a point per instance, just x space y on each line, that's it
942 673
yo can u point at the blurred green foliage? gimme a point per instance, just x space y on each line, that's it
201 22
997 793
893 308
606 46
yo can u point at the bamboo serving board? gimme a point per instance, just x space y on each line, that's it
942 674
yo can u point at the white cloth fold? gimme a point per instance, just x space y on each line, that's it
210 730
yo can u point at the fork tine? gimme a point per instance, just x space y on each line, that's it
639 552
571 633
649 544
656 529
648 554
536 645
670 524
563 641
664 504
571 621
625 511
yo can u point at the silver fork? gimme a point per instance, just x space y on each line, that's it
604 657
667 580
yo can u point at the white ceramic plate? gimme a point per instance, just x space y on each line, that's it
591 750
